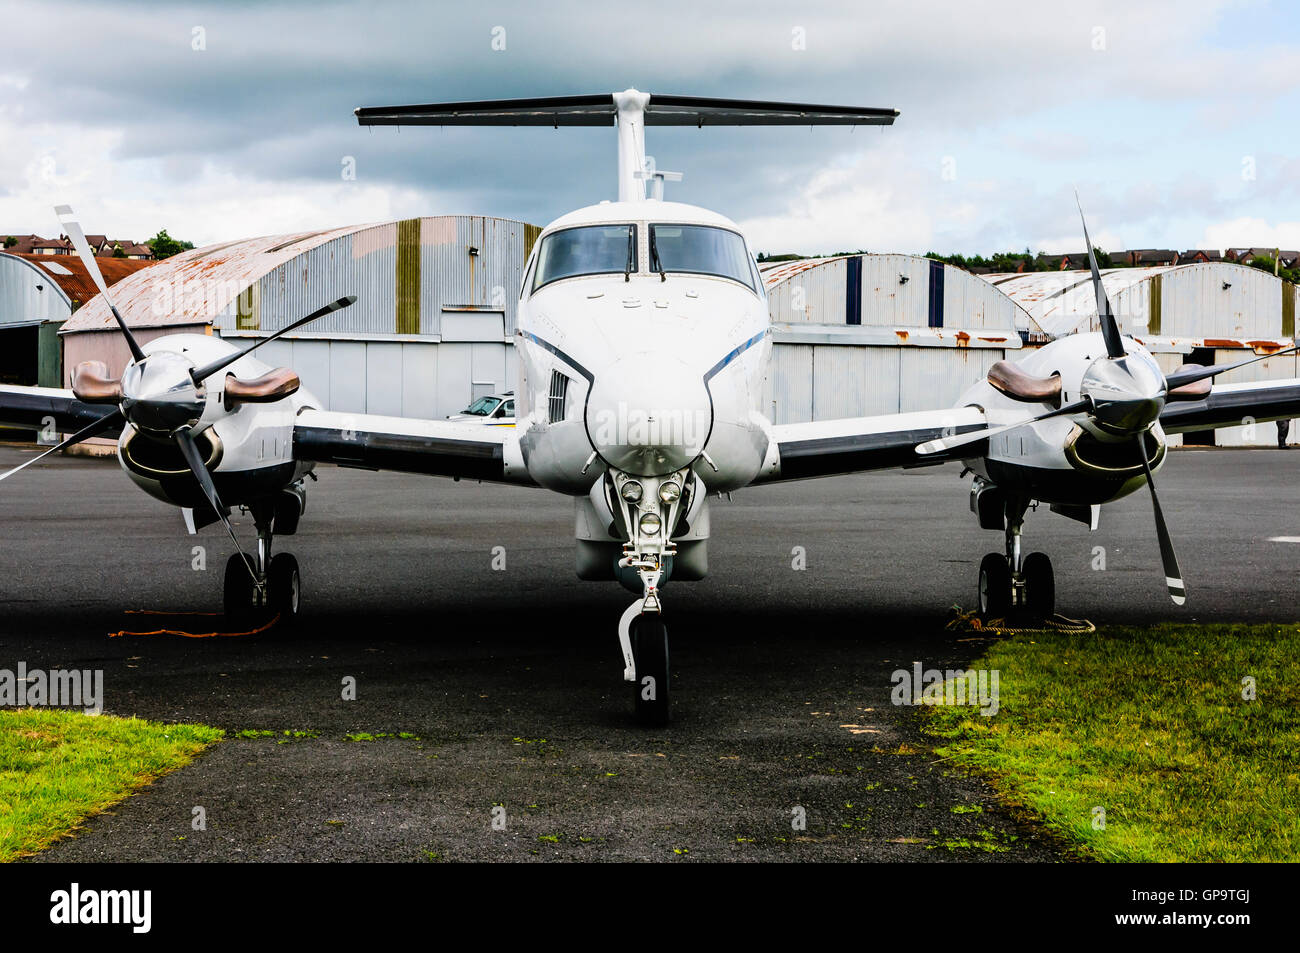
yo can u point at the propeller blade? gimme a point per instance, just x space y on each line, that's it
195 461
74 232
947 443
199 374
1173 575
1192 375
107 422
1109 326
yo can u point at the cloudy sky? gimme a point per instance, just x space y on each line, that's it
1176 121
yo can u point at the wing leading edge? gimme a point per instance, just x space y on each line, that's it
830 447
41 408
433 447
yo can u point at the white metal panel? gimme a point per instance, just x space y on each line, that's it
311 362
933 378
488 366
420 381
347 376
453 378
474 326
792 379
839 382
384 387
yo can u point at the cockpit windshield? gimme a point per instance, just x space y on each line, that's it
702 250
482 407
586 250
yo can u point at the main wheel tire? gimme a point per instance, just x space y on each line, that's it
650 650
237 590
284 587
994 587
1040 586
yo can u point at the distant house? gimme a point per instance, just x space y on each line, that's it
1148 257
1287 258
49 246
101 246
1193 255
129 250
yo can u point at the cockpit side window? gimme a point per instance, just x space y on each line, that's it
702 250
585 250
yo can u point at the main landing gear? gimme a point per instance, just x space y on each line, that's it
262 584
1009 583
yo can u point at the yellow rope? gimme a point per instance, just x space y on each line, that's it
971 622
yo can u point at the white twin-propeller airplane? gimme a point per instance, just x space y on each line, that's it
643 337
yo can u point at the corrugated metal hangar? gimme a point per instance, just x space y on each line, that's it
432 327
857 335
37 294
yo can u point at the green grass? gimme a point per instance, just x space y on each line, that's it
58 767
1150 725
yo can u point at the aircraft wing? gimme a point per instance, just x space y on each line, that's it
41 408
828 447
1228 405
434 447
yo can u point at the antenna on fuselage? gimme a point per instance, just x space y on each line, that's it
656 179
631 112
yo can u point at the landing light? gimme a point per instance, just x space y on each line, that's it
669 492
650 524
631 491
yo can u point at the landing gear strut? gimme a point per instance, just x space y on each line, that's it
644 640
1010 582
649 509
261 583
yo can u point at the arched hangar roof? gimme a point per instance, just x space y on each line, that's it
898 291
1198 301
403 273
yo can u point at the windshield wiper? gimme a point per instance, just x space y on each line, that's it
631 254
655 263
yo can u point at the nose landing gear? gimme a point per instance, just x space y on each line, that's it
644 639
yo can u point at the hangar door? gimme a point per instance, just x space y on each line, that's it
471 357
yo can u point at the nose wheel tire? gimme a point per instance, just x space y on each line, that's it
284 587
650 650
237 592
1040 586
994 587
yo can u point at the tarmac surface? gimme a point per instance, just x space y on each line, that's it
508 683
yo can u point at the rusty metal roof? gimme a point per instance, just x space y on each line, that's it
1063 302
775 272
197 285
70 274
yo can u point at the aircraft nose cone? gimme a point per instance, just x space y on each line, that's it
649 415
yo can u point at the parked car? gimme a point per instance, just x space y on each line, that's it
494 410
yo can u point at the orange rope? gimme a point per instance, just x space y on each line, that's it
197 635
164 612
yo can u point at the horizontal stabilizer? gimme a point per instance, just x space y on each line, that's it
600 110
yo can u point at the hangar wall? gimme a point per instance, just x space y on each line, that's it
860 335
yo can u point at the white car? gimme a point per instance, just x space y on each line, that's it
493 410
